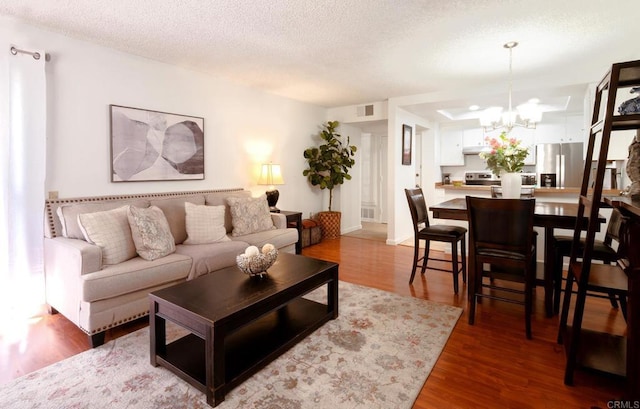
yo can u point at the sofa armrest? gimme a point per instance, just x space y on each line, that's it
72 255
279 220
65 261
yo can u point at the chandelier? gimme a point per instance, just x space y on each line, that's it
526 115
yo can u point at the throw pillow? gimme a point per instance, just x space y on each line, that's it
151 233
110 231
249 215
205 224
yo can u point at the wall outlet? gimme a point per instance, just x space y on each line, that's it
53 194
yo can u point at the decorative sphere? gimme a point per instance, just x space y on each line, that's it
251 251
267 248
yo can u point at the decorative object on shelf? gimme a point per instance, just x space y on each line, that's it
511 184
271 175
631 106
530 112
633 167
255 262
150 145
407 132
329 166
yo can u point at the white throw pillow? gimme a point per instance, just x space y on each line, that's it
110 231
249 215
151 233
205 224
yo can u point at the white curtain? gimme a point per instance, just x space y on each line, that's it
22 183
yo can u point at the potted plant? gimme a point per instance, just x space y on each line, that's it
506 160
329 166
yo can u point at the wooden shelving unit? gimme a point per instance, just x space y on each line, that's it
605 351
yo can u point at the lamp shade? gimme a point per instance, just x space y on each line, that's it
270 175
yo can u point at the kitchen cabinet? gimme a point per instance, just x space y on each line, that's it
473 137
451 148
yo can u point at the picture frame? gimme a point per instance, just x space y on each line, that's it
407 132
149 145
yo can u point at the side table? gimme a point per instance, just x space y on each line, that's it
294 219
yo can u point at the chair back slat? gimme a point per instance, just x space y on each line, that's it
418 208
501 223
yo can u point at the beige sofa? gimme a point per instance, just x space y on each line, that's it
96 296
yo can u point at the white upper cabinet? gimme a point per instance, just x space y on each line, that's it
451 148
473 137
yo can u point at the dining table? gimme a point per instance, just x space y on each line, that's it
548 215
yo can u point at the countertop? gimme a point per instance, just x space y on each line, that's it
539 191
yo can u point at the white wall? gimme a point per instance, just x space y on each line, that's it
400 177
243 127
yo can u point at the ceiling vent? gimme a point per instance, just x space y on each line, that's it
364 110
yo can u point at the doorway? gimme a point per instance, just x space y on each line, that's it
373 158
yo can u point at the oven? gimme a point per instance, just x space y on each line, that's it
480 178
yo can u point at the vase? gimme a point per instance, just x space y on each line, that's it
511 184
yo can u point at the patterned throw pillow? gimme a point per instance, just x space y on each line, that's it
151 233
110 231
249 215
205 224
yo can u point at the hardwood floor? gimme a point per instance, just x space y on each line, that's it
490 364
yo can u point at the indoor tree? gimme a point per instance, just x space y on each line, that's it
330 162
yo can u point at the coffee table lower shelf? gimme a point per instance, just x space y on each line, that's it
248 349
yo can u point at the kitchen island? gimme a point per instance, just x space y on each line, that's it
539 192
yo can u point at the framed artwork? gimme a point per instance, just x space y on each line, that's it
406 144
151 145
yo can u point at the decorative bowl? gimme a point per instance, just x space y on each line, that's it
256 265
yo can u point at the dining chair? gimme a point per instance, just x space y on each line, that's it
423 230
603 250
501 236
525 192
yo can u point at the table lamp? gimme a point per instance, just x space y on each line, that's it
271 175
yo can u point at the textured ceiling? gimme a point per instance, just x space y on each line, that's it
334 53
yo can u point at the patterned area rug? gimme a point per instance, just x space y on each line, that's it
377 354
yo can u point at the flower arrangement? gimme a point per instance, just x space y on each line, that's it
506 154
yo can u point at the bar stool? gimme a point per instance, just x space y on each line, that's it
422 230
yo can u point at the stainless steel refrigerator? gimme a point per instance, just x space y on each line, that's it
560 164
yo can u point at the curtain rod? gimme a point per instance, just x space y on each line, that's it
35 55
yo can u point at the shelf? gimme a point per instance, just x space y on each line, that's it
629 73
600 351
619 123
250 347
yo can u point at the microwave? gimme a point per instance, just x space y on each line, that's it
528 179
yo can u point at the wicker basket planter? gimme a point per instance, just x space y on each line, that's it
330 224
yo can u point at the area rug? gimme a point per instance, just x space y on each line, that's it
377 354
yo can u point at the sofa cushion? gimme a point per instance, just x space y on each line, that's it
68 214
250 215
151 233
220 198
205 224
211 257
110 231
133 275
173 209
279 238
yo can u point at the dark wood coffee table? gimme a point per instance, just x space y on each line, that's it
238 323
